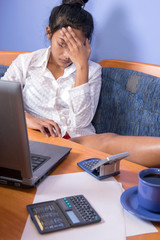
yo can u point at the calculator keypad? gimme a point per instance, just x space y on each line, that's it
86 212
48 217
81 207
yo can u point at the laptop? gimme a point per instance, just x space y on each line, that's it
23 163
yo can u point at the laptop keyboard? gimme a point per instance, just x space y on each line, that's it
38 161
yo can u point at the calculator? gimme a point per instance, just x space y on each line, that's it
62 213
105 168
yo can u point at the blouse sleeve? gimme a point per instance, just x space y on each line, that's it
84 98
16 71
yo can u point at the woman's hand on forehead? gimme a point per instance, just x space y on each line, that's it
78 49
71 37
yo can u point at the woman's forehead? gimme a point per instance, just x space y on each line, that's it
78 32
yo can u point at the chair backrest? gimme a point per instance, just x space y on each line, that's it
151 69
129 102
6 57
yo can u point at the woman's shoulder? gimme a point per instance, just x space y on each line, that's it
94 68
34 54
94 65
27 59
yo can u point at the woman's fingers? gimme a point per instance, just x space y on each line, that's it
54 129
50 128
66 38
43 130
70 38
88 48
88 45
74 37
77 49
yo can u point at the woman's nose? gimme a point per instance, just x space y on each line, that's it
66 55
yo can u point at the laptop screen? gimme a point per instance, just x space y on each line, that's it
15 150
13 134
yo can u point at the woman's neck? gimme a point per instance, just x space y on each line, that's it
54 68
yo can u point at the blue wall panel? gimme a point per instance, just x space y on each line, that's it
124 29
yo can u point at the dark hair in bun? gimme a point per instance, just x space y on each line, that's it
80 2
71 13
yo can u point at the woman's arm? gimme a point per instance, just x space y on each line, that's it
84 99
46 126
17 72
79 53
84 95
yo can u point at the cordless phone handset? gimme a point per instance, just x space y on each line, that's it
110 160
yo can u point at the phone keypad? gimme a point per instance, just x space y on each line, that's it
90 163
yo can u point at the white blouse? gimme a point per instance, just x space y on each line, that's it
72 108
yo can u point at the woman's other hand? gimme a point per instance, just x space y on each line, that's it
45 126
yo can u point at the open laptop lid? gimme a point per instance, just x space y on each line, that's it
15 163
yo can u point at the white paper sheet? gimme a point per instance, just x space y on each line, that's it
103 196
135 225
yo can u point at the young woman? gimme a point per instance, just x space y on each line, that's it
61 87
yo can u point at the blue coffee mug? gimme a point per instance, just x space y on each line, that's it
149 189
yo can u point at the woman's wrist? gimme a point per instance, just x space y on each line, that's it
82 66
81 76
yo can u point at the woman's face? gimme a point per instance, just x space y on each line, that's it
59 55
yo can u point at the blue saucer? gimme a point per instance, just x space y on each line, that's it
130 202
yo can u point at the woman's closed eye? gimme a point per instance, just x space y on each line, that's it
62 44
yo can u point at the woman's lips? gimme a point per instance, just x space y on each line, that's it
66 62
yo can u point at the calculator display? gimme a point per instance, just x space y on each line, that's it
62 213
72 216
